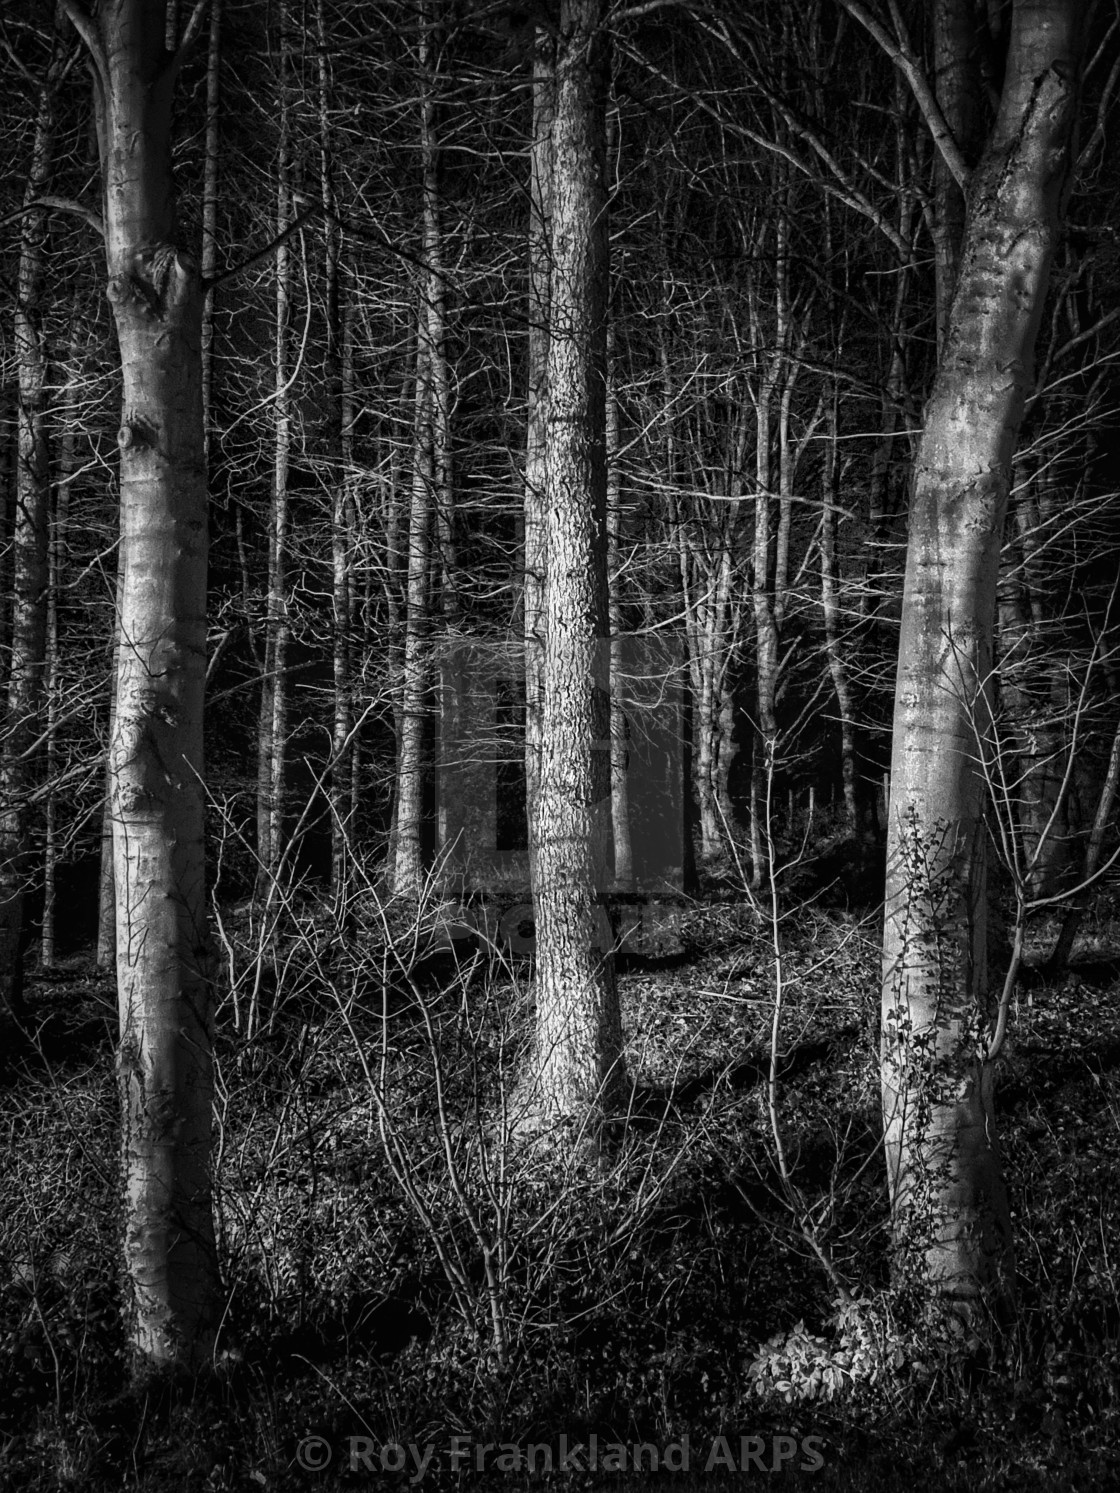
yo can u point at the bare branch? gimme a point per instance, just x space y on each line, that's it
1097 327
60 204
68 205
21 66
84 25
190 31
193 26
645 8
841 188
314 211
902 55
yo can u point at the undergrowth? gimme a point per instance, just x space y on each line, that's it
399 1273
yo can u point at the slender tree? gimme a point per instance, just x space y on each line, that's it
621 841
535 495
30 588
831 583
338 377
163 982
54 821
430 492
272 741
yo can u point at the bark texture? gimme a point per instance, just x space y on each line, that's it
949 1203
156 765
429 531
577 1068
535 498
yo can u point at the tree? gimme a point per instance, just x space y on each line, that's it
578 1046
272 748
163 980
534 501
30 588
948 1199
431 487
338 380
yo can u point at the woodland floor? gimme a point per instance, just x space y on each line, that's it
666 1292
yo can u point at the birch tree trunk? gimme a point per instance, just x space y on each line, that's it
164 989
578 1047
949 1204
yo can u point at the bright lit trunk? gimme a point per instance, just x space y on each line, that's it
535 497
156 766
949 1204
578 1064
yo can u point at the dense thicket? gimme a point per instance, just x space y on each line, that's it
773 339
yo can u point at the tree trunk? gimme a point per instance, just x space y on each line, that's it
106 889
211 178
338 376
697 586
620 785
766 650
163 983
855 802
28 637
59 520
578 1051
445 580
272 737
1033 660
766 590
428 470
535 493
949 1204
1059 957
408 857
